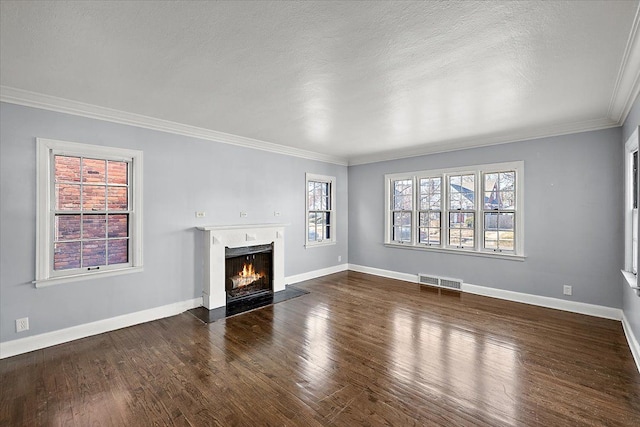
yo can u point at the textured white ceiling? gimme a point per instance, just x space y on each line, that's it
359 81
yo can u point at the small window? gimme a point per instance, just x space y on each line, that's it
89 211
321 227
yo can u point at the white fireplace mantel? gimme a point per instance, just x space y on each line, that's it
236 236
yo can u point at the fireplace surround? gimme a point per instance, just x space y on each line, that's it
238 241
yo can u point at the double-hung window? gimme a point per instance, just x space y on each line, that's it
430 214
631 209
89 211
402 213
472 209
321 223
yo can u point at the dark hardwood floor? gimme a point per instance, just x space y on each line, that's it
358 350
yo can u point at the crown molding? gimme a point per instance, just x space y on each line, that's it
627 84
37 100
478 142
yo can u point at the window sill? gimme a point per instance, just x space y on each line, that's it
510 257
632 280
315 245
43 283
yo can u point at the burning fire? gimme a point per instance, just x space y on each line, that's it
246 277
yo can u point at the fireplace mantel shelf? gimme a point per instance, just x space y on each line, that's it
238 226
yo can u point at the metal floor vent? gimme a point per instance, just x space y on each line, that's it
441 282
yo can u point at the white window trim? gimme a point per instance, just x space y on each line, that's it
629 148
477 250
44 232
332 181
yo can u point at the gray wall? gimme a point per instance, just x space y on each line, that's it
181 175
572 223
630 301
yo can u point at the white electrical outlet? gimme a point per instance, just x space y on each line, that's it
276 213
339 258
201 214
22 324
243 214
567 290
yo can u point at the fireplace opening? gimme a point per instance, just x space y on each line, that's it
248 272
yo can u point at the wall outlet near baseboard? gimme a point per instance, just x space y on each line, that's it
339 258
22 324
567 290
200 214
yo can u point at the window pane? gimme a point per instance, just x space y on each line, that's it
491 221
466 237
507 200
635 180
117 198
67 169
491 239
467 192
490 181
430 193
67 197
117 172
435 202
461 220
506 221
94 253
505 240
634 240
118 225
118 251
312 227
430 236
454 200
66 256
424 203
94 226
93 171
454 237
67 227
402 234
93 198
507 181
402 194
402 218
491 200
461 192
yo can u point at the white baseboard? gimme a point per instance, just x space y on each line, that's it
290 280
631 340
384 273
548 302
36 342
558 304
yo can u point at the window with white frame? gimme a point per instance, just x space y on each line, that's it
320 221
631 204
89 211
473 209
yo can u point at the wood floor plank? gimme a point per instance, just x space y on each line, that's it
356 350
